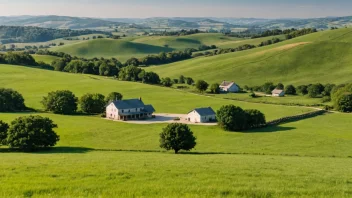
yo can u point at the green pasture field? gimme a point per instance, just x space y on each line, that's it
36 83
323 57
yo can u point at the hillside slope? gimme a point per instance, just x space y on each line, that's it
145 45
107 48
320 57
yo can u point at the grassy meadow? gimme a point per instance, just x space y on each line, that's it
96 157
36 83
319 57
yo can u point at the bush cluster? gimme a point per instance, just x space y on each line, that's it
233 118
11 101
66 103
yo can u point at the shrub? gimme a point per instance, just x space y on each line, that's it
113 96
201 85
60 102
92 103
345 103
215 89
255 118
302 89
252 95
30 133
314 90
3 132
11 101
177 137
290 90
232 118
342 98
167 82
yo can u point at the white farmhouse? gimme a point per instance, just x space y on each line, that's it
132 109
278 93
201 115
227 86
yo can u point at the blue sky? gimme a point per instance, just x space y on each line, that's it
179 8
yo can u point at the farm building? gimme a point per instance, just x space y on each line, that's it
202 115
278 93
227 86
132 109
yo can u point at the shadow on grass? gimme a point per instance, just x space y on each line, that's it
271 129
53 150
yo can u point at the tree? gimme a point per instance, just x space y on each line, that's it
189 81
3 132
132 62
60 102
177 137
130 73
232 118
113 96
268 87
30 133
290 90
215 88
280 86
181 79
328 89
11 101
202 86
345 103
255 118
314 90
167 82
93 103
342 98
302 89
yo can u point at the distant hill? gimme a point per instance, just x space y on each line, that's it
60 22
323 57
319 23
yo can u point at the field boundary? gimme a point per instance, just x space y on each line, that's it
295 118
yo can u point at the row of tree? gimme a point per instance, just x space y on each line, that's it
27 34
65 102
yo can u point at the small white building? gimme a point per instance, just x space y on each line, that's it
133 109
278 93
202 115
227 86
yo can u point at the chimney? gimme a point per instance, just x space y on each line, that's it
140 98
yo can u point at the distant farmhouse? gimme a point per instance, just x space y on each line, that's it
202 115
133 109
278 93
227 86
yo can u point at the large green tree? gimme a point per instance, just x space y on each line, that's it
177 137
60 102
215 88
113 96
232 118
31 133
290 90
93 103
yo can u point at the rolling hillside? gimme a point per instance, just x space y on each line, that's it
324 57
141 46
108 48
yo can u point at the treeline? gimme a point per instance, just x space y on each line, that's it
178 33
23 34
21 58
290 33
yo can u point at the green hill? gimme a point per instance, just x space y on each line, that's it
108 48
320 57
141 46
